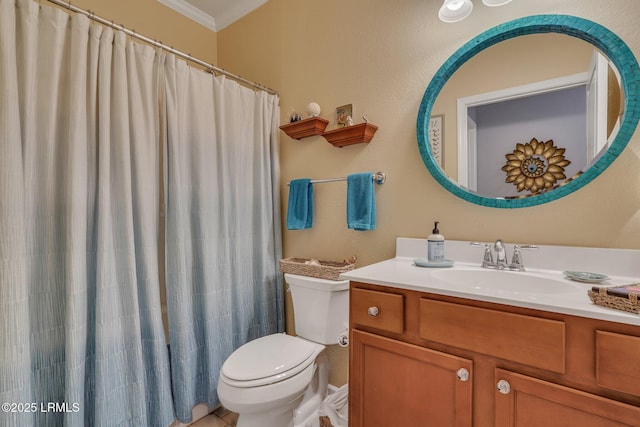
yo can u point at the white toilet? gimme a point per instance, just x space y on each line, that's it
280 380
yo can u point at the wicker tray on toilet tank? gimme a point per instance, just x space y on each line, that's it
329 270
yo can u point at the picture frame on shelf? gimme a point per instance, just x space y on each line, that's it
343 114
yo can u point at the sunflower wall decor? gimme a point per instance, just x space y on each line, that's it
535 166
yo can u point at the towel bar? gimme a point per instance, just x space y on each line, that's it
378 177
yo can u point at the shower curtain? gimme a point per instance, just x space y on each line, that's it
223 226
81 337
82 128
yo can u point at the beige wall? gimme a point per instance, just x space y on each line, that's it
380 56
158 22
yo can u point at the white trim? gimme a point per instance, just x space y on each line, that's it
471 169
597 98
463 105
240 9
462 121
522 91
191 12
228 15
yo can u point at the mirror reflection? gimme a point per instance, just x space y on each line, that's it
526 115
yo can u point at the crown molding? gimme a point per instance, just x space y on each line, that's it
192 12
229 11
237 11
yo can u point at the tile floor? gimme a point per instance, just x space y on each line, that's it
220 418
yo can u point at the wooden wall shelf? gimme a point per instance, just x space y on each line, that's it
304 128
356 134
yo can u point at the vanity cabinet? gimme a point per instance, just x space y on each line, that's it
420 359
526 401
400 384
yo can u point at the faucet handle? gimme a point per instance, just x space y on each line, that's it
487 261
516 260
528 247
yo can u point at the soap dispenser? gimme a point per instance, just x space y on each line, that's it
435 245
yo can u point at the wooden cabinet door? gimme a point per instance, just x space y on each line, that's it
393 383
530 402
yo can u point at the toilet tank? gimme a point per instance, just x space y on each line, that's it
320 307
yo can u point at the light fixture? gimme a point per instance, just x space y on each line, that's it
493 3
455 10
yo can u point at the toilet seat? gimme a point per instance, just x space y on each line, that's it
268 360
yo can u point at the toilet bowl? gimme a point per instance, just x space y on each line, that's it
270 398
280 380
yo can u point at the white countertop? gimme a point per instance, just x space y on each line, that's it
401 272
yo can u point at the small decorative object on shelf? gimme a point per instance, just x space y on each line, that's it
295 117
356 134
342 113
313 109
305 127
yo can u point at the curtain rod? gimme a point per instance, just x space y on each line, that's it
378 177
188 57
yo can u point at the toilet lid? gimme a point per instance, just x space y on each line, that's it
272 355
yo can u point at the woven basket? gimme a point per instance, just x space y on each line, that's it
325 422
329 270
630 304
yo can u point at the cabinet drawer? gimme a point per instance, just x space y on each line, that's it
380 310
617 366
523 339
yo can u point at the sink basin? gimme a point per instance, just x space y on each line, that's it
506 282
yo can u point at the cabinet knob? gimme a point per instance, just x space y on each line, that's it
463 374
373 311
504 387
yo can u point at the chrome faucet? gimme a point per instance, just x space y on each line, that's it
487 261
516 260
501 256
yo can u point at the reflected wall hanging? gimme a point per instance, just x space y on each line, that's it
535 166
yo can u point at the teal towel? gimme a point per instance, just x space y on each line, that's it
361 202
300 209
